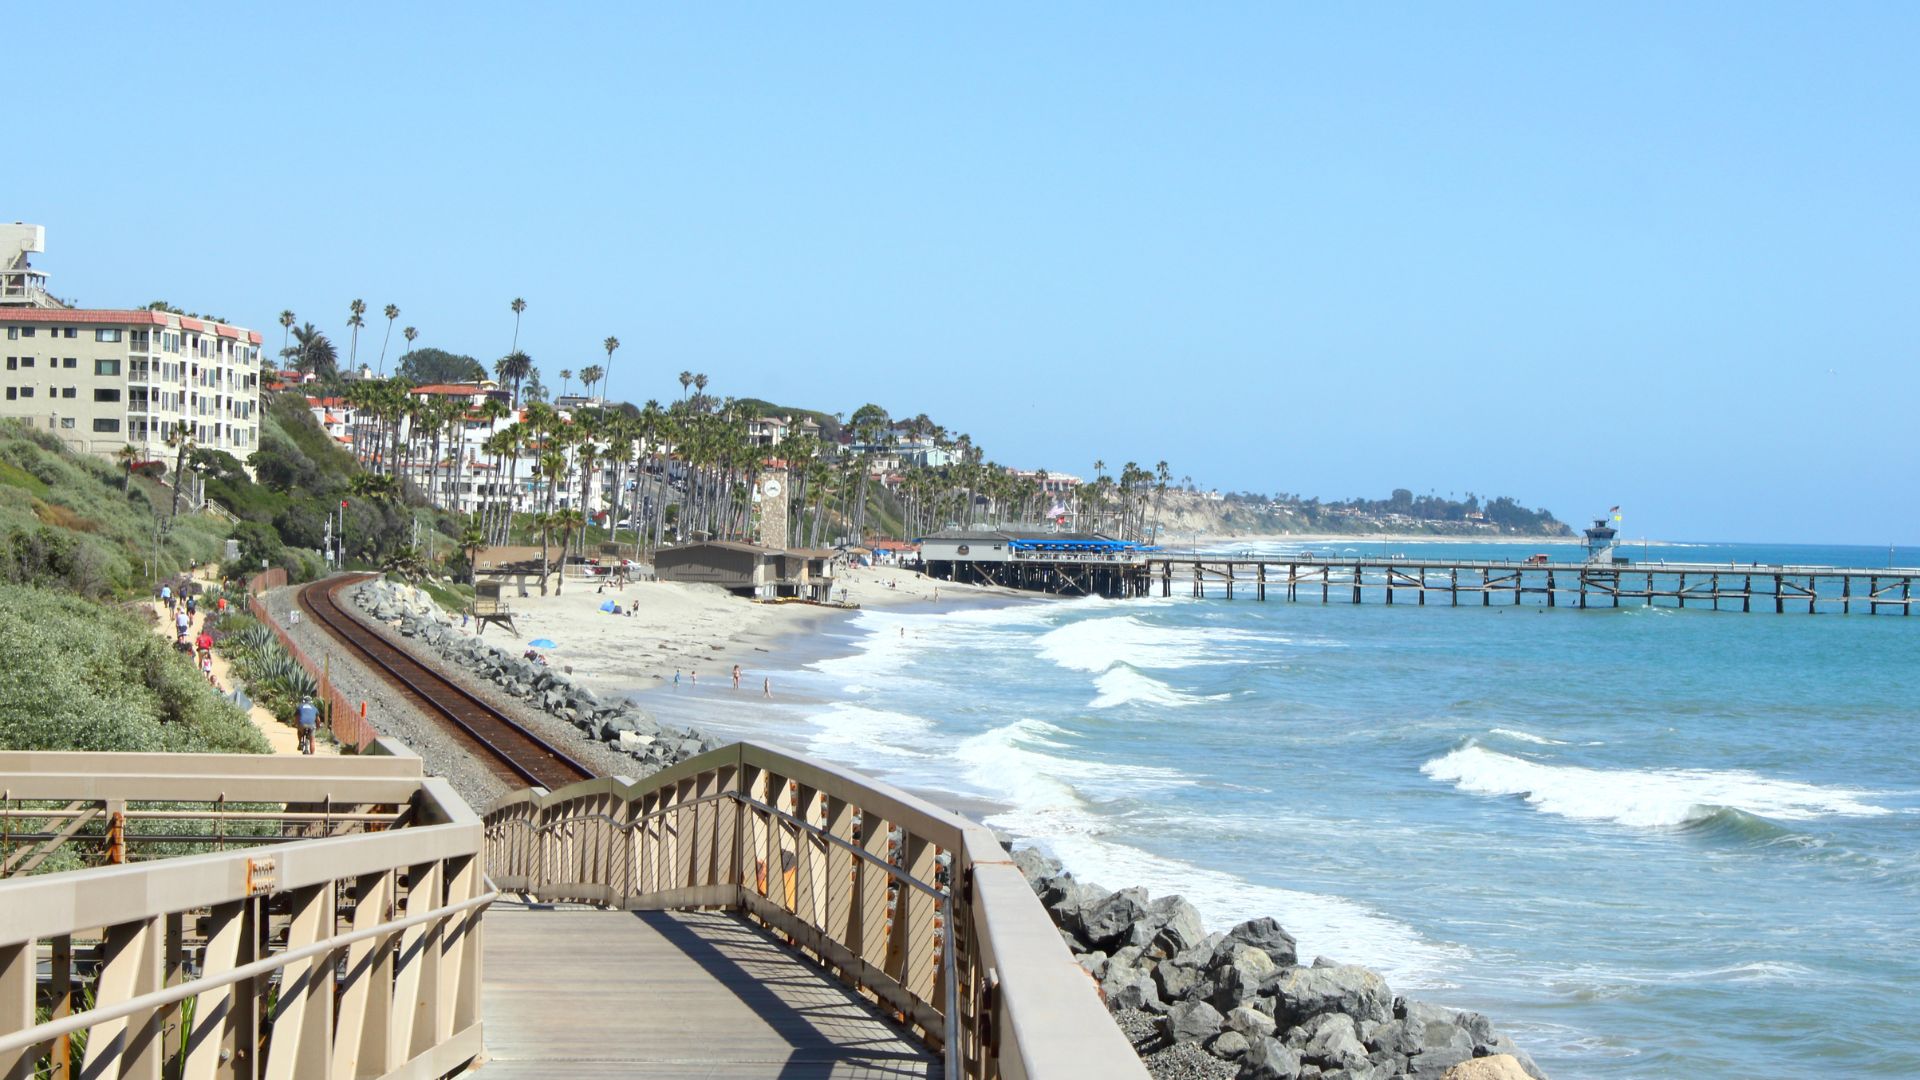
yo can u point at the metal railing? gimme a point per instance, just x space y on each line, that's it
918 907
344 943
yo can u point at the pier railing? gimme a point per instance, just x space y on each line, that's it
919 908
239 916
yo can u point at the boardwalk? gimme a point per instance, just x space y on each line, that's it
582 992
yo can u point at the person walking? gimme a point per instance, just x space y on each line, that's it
307 718
166 596
181 622
736 676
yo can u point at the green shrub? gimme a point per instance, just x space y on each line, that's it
78 676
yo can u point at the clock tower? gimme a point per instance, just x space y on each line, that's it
773 499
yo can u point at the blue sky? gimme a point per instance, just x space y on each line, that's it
1656 255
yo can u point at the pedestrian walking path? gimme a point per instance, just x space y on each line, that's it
283 738
584 992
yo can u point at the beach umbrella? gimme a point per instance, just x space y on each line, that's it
543 643
606 605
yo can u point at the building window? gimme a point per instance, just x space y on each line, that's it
106 395
74 332
66 422
107 366
26 331
26 391
137 340
12 392
104 335
13 333
68 391
13 363
72 362
26 361
106 427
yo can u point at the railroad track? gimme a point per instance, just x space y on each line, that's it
500 739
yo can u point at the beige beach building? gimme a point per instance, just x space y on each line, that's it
101 379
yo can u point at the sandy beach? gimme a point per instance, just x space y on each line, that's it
701 631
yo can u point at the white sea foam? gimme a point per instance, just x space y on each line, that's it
1123 686
1646 798
1100 643
871 737
1526 736
1053 799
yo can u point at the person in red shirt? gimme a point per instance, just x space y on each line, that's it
204 642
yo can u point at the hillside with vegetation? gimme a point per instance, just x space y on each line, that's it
79 675
1188 512
86 525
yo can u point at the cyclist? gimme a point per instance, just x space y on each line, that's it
308 718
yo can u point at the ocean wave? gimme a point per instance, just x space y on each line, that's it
1121 685
871 737
1096 644
1524 736
1647 798
1053 799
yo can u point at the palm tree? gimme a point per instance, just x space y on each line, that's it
565 375
588 376
314 355
513 368
286 324
518 306
354 322
181 438
567 521
610 344
686 380
700 385
472 539
409 333
126 456
392 313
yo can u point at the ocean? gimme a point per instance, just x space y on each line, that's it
1646 842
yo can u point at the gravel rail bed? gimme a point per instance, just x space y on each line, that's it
595 755
392 715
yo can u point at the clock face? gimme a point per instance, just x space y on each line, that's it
771 487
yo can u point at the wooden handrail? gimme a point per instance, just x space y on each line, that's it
919 906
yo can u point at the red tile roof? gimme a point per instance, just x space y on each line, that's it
95 316
119 317
450 389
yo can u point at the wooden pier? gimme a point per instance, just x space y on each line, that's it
1454 583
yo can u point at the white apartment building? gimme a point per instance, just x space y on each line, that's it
103 379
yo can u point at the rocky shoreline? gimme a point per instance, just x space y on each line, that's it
1200 1006
622 727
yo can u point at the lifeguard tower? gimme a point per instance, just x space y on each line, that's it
1603 539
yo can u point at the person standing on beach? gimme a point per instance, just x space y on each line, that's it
693 677
736 676
676 676
766 687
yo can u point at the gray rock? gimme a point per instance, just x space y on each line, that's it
1192 1021
1180 927
1238 974
1128 986
1106 924
1269 1059
1334 1041
1201 954
1228 1044
1269 937
1433 1064
1250 1022
1036 867
1094 964
1176 981
1303 993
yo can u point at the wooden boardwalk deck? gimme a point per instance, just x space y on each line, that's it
581 992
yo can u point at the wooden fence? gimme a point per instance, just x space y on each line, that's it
351 729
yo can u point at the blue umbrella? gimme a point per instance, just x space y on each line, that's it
607 605
543 643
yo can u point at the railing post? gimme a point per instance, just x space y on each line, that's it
302 1041
131 1046
366 999
17 994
